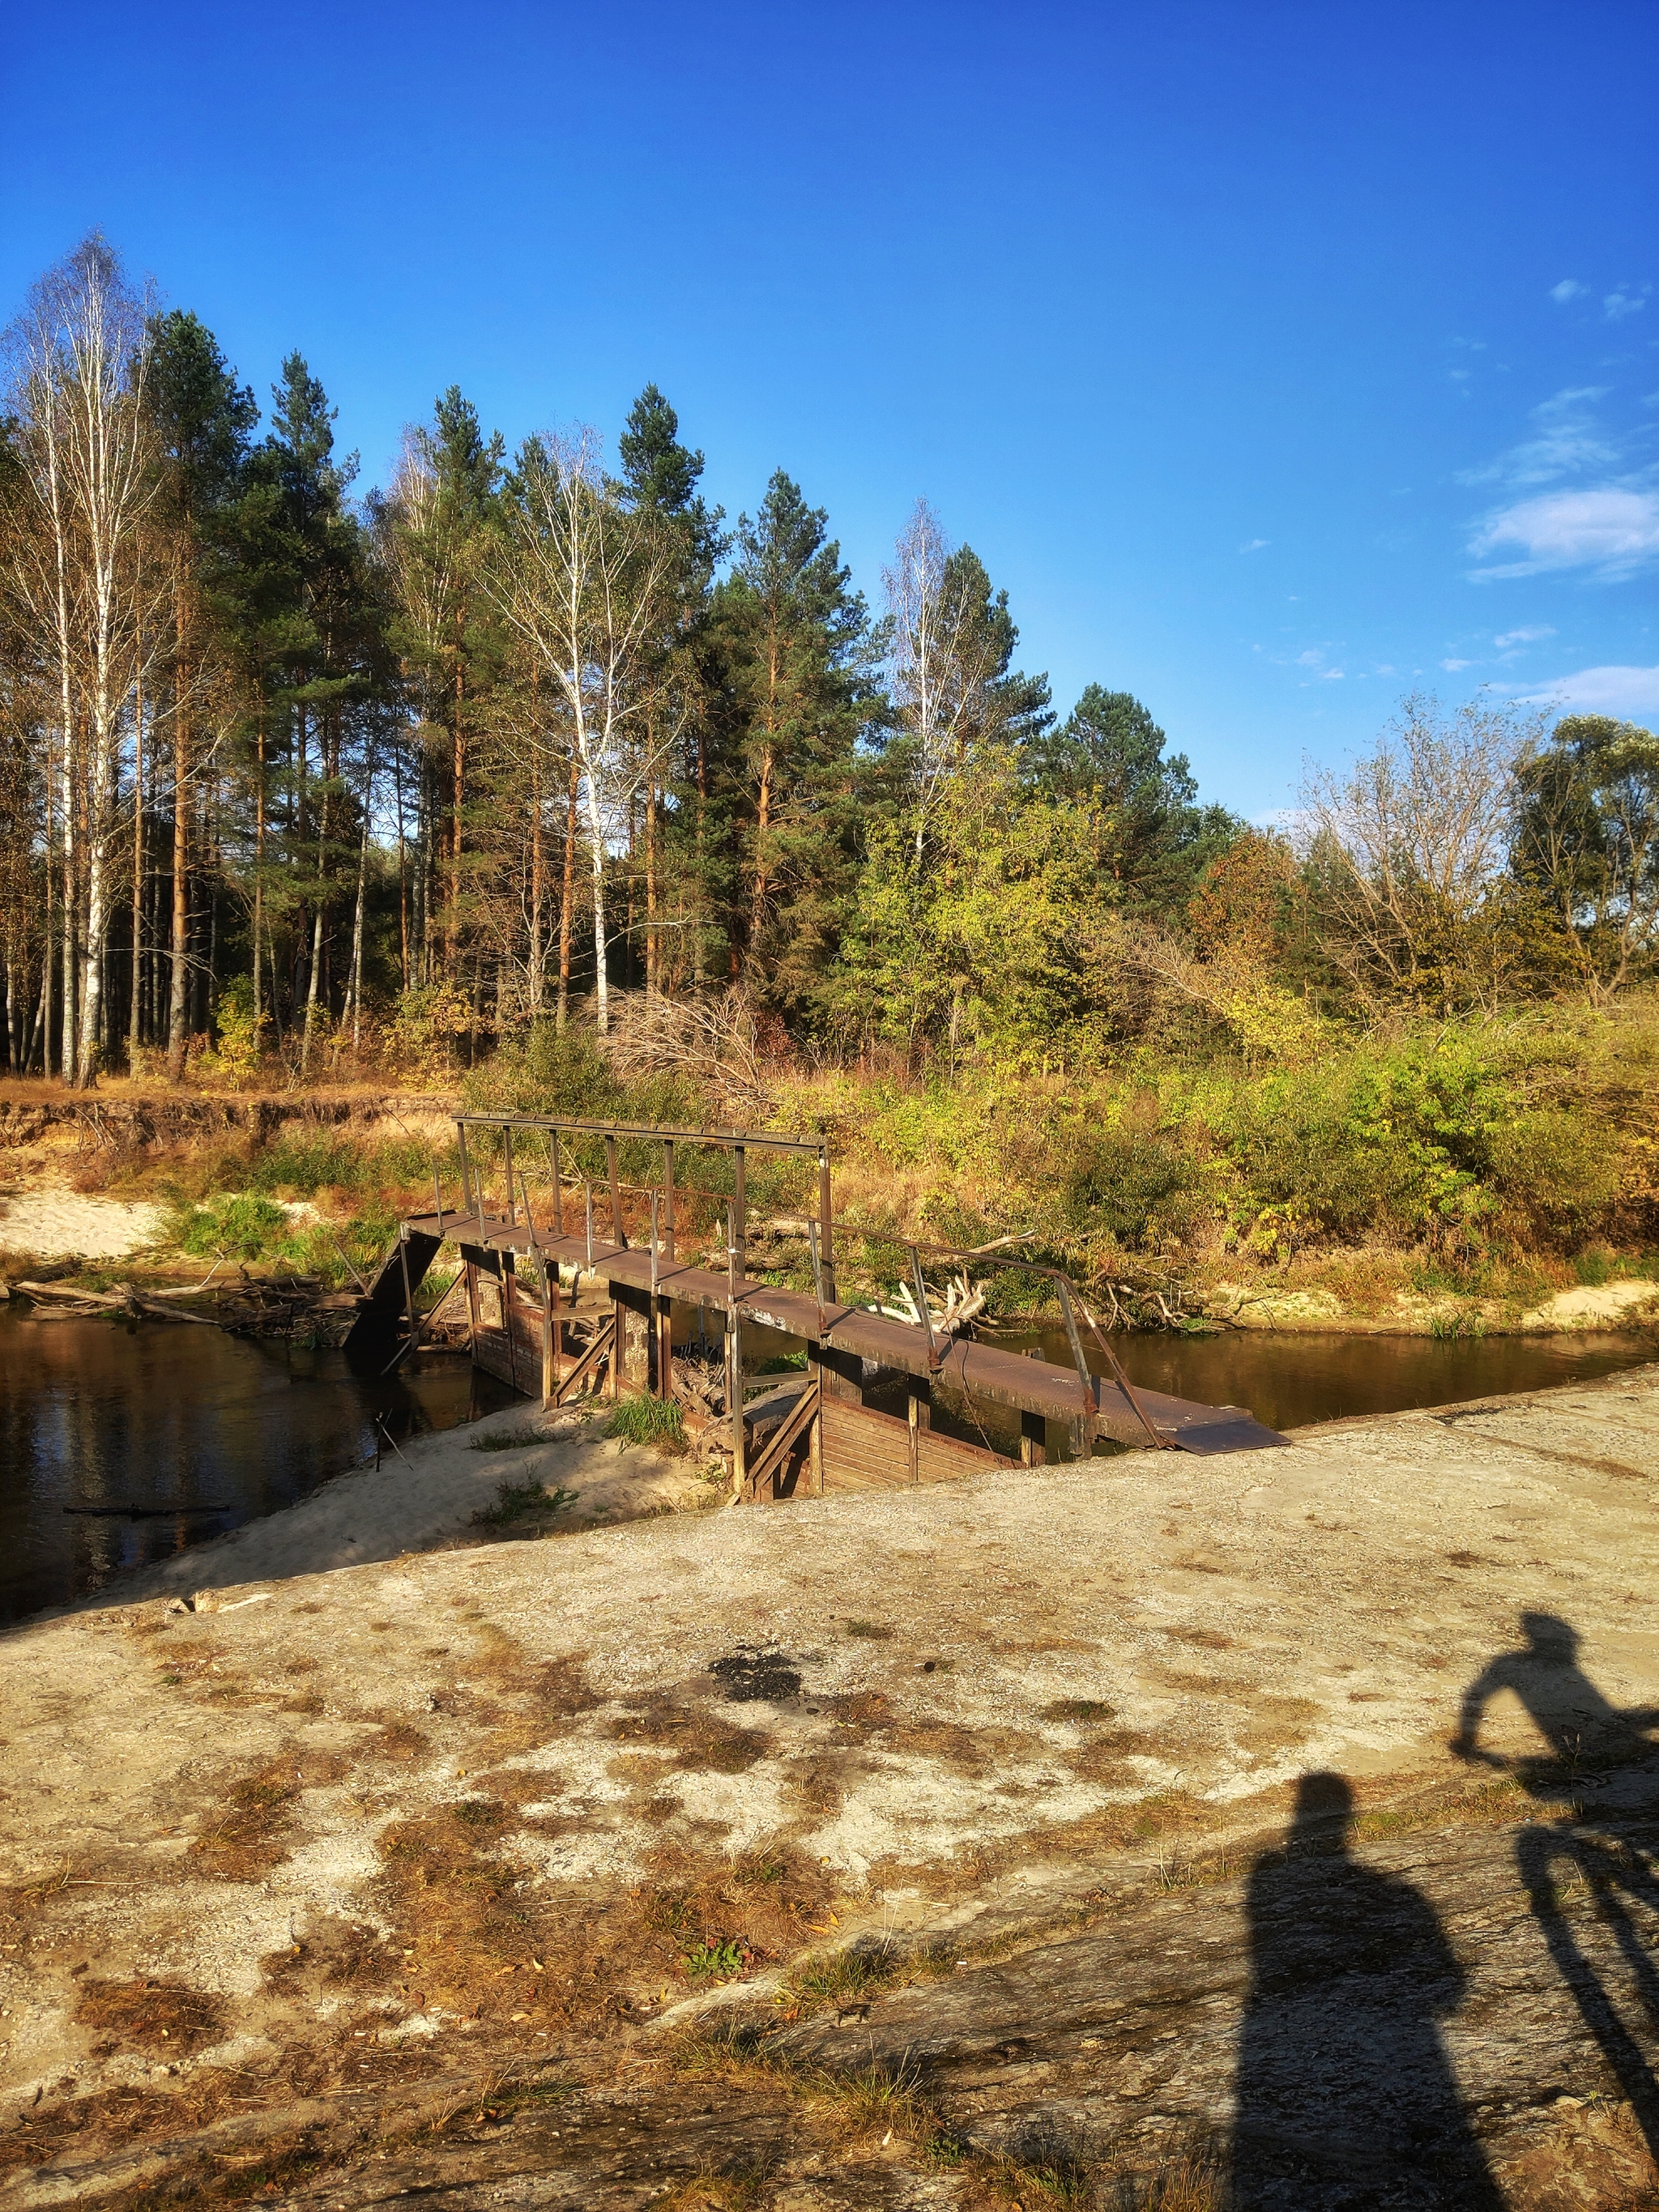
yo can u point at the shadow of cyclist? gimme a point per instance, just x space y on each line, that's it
1584 1733
1564 1706
1345 2096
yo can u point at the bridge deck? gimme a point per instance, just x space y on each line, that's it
984 1371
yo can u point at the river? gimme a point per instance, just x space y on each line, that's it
177 1433
197 1429
1289 1380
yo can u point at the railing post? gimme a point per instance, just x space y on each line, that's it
741 1209
507 1158
618 1235
509 1284
664 1322
408 1295
661 1345
1091 1402
925 1313
734 1347
550 1310
558 1187
827 1229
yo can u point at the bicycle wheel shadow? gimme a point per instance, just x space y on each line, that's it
1586 1736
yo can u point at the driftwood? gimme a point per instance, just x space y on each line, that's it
963 1303
126 1300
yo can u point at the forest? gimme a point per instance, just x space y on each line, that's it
533 771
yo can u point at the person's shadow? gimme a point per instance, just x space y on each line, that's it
1344 2094
1586 1734
1582 1730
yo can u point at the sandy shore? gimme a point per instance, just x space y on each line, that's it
56 1223
423 1497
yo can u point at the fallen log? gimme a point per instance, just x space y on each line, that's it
80 1297
127 1299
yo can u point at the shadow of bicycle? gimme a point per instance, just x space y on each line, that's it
1578 1857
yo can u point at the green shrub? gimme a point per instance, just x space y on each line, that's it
241 1227
1133 1185
1556 1173
646 1420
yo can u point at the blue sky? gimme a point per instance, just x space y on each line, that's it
1277 359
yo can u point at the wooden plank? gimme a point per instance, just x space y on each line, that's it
769 1461
586 1362
863 1450
948 1459
491 1351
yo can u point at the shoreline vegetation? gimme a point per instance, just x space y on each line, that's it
529 780
1486 1174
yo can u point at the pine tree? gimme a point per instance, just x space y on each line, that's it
203 419
1153 838
797 662
660 478
317 626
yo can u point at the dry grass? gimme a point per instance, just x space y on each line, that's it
972 1753
168 2018
252 1834
697 1741
399 1740
844 2104
1054 2164
1208 1639
828 1980
484 1940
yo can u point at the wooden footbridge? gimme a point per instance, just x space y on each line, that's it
882 1400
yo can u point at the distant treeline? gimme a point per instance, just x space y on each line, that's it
285 770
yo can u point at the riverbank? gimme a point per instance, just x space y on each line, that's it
945 1810
127 1177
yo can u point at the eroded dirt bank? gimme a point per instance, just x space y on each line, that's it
942 1848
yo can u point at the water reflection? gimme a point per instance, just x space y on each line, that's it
95 1413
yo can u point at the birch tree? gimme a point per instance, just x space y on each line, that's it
79 357
951 643
581 577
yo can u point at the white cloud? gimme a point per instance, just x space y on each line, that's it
1568 288
1255 544
1628 300
1611 532
1529 636
1625 692
1332 675
1310 658
1567 439
1451 667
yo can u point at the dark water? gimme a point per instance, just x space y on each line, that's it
1288 1380
95 1412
